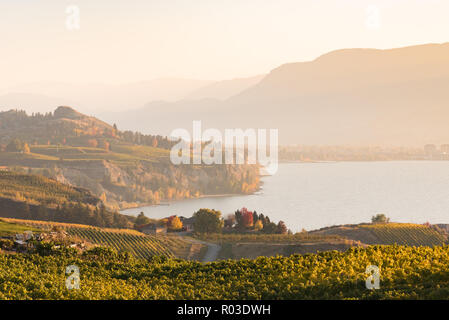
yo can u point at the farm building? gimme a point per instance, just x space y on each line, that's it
152 228
187 223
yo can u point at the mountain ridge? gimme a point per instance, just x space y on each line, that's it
390 97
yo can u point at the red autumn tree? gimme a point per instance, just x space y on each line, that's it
247 218
281 228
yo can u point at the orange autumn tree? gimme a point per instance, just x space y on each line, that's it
258 225
93 143
174 223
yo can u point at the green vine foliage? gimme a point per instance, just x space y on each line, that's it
405 273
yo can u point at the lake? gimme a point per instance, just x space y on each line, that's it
315 195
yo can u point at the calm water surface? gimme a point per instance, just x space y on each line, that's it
315 195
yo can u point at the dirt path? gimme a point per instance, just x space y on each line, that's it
213 249
212 252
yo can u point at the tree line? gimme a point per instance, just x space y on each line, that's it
243 220
78 213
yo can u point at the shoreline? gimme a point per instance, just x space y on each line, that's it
203 196
361 160
221 195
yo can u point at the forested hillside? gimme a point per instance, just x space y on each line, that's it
34 197
122 168
35 189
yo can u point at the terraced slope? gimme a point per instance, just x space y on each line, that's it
36 189
405 234
137 243
387 234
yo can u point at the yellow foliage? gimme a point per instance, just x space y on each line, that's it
258 225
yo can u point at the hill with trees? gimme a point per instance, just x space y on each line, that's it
35 197
122 168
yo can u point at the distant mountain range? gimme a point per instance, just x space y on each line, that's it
32 102
223 90
95 98
352 96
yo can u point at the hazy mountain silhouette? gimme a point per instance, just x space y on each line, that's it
101 98
31 102
352 96
94 97
225 89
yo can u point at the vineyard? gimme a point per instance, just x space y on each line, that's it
387 233
37 189
405 273
138 244
405 234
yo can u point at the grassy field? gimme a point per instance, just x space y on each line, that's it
10 229
120 153
251 246
302 237
17 156
133 241
141 152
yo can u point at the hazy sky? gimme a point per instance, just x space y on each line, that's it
133 40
